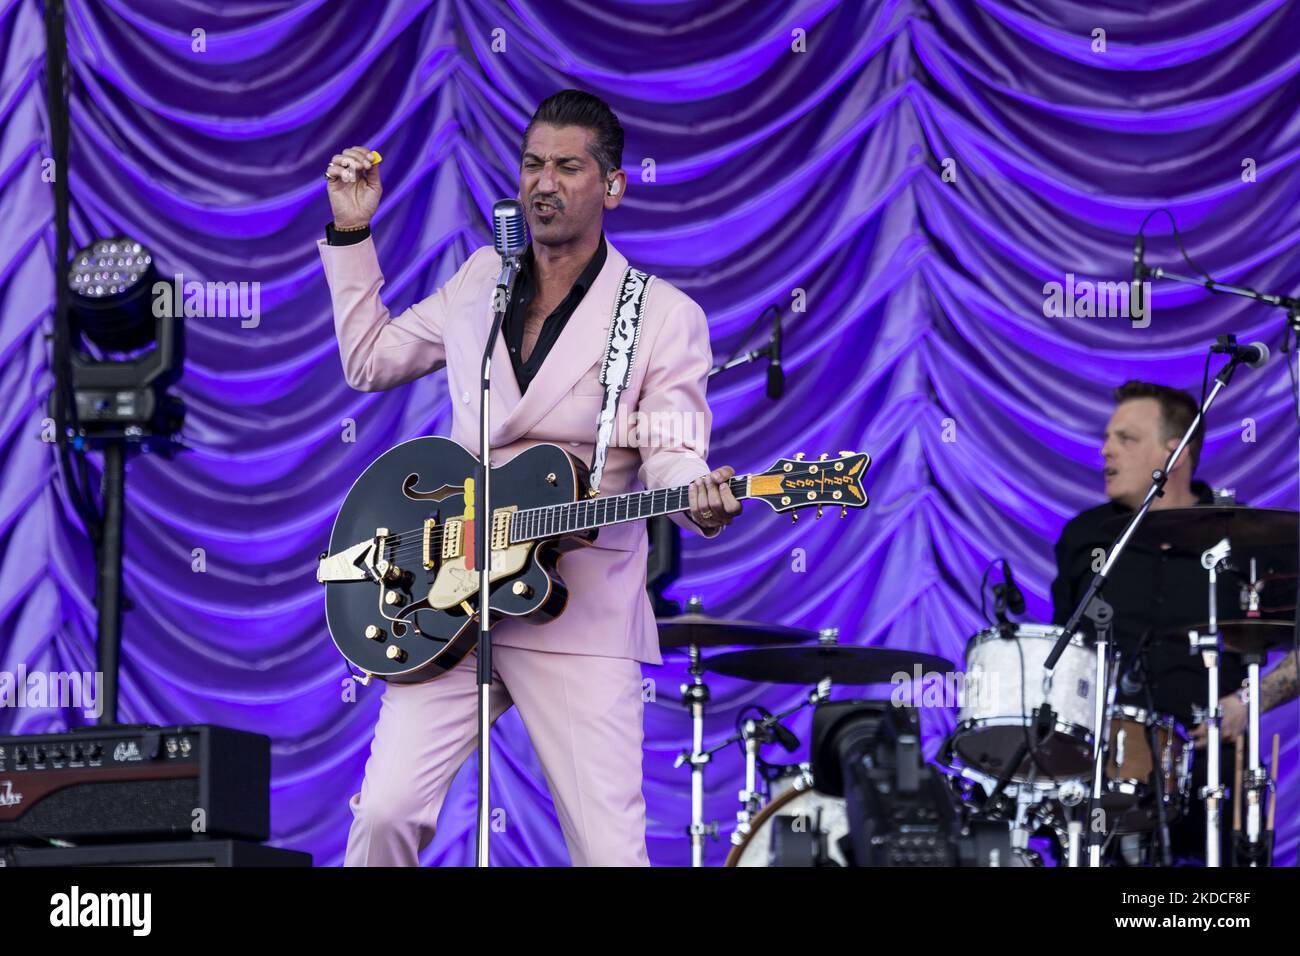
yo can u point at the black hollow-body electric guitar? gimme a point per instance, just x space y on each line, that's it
401 589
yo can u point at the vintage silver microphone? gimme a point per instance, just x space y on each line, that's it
510 236
509 229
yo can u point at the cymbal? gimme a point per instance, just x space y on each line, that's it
809 665
1194 530
702 631
1245 636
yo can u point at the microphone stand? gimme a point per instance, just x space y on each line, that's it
1158 480
1257 778
482 555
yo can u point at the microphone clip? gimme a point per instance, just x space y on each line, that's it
1225 345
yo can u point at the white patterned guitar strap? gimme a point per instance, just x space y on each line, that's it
620 353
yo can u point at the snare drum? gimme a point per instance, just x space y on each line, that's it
1129 800
1003 689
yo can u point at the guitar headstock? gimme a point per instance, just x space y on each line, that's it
795 483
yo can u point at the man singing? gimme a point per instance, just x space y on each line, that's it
576 680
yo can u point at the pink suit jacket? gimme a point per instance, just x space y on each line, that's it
608 614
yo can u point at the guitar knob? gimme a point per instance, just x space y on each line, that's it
374 633
522 589
395 653
394 598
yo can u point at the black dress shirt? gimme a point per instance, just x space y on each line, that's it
525 291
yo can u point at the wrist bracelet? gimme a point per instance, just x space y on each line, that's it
364 225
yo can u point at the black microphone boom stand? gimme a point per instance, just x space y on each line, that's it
1256 779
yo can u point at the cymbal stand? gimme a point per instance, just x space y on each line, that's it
1210 647
695 695
1255 783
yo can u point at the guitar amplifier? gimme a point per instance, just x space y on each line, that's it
135 782
189 853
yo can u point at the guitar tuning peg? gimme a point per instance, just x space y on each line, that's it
844 510
794 517
844 453
819 512
823 456
798 456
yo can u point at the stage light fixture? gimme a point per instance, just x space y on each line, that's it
125 350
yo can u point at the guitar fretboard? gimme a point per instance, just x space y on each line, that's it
534 523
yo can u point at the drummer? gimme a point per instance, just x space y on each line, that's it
1151 590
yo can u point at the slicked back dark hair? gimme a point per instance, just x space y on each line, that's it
576 108
1177 409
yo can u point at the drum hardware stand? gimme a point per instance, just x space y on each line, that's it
1210 647
1255 784
1157 755
826 637
1074 843
695 695
1019 826
755 733
751 801
1158 480
1101 614
1045 720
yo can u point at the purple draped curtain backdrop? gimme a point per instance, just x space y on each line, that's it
901 177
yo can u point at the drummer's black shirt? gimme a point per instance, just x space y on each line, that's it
1149 589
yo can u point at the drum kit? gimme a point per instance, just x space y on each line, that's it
1022 752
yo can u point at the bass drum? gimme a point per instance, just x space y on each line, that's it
800 827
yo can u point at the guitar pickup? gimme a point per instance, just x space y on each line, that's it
452 535
501 527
